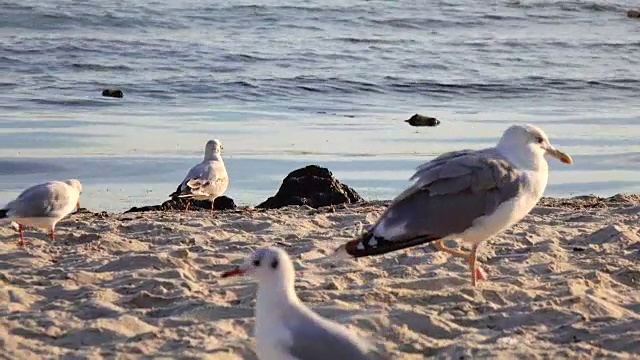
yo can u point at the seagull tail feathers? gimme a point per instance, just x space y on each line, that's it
176 193
350 248
368 243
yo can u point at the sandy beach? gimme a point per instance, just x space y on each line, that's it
563 283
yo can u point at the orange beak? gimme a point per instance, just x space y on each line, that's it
235 272
560 155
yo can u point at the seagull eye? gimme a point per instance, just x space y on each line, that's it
274 264
256 262
539 139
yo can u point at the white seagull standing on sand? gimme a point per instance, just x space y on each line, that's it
466 195
208 179
285 328
43 205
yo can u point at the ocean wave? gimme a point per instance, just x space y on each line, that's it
430 22
75 102
8 85
295 87
100 67
355 40
513 87
575 5
269 89
44 17
10 61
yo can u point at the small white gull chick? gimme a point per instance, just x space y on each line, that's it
466 195
208 179
285 328
43 205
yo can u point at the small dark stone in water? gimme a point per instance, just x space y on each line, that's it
633 13
112 93
220 203
578 249
421 120
312 185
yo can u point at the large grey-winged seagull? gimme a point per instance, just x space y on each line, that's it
206 180
285 328
466 195
43 206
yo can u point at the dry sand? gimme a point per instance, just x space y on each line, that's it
563 283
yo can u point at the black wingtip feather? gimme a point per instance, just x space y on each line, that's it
382 245
178 194
3 213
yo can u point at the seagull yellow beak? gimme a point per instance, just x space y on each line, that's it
559 155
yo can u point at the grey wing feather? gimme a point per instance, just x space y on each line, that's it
195 172
201 170
41 200
201 176
318 339
425 175
456 192
439 160
447 196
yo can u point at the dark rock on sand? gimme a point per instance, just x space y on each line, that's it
422 120
112 93
314 186
633 13
85 211
221 203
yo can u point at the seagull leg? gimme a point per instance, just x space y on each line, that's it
187 207
21 231
450 251
476 273
212 208
52 234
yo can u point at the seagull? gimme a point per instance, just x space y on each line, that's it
285 328
465 195
43 206
208 179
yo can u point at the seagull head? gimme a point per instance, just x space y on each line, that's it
212 148
267 265
523 141
75 183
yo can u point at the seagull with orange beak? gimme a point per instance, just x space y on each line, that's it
467 195
43 206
